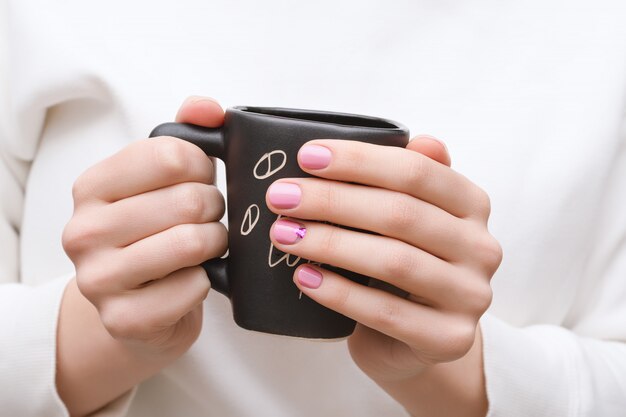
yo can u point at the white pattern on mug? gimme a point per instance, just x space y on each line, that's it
250 219
286 257
269 170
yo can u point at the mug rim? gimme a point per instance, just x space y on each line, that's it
318 116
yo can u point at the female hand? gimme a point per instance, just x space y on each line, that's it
430 246
143 220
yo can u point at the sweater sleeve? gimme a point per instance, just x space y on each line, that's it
28 322
28 314
577 369
28 318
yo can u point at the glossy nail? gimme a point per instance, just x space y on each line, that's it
309 277
314 157
284 195
287 232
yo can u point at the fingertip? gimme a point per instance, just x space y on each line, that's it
283 195
201 111
307 278
313 156
431 147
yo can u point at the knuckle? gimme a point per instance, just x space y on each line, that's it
331 239
489 252
218 238
484 299
94 282
355 157
190 202
121 321
386 315
478 298
79 236
202 285
78 189
215 241
457 341
171 156
339 298
70 240
190 242
416 169
83 186
483 203
399 264
216 201
147 327
403 214
329 198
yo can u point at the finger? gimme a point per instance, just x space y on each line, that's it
143 313
431 147
202 111
175 248
143 215
144 166
389 213
436 336
152 258
395 169
436 282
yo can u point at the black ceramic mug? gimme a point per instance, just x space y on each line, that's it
258 146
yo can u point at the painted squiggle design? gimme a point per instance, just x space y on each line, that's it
286 257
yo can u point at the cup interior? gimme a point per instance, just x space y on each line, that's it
343 119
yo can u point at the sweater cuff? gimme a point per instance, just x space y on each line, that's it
28 319
528 371
118 407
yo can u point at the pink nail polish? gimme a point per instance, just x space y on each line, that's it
314 156
309 277
287 232
284 195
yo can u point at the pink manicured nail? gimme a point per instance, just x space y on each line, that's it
284 195
314 157
309 277
287 232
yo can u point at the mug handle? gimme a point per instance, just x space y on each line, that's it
212 142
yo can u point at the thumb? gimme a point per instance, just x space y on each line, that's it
201 111
431 147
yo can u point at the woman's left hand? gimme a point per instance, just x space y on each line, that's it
430 241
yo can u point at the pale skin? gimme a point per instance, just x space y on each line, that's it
153 203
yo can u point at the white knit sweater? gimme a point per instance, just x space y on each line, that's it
529 96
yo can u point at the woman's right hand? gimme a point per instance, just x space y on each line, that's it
143 220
